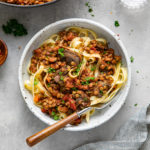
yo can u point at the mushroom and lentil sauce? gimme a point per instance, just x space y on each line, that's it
26 2
72 70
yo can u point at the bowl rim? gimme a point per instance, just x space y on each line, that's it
119 42
27 6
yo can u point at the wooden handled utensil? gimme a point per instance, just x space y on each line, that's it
41 135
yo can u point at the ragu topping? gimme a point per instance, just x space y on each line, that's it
27 2
73 69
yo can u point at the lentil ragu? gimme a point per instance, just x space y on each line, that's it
70 73
26 2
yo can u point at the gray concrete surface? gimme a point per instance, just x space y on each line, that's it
17 122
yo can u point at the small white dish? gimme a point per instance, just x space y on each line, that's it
99 117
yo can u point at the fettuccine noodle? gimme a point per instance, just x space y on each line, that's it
72 70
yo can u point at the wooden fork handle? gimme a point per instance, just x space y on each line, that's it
39 136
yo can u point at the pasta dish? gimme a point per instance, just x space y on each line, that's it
72 70
26 2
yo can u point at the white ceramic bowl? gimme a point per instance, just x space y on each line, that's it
99 117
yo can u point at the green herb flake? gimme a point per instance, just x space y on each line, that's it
108 62
60 52
132 59
56 117
85 82
35 81
15 28
51 70
104 52
53 113
78 68
93 68
60 73
90 10
87 4
116 23
63 101
48 84
135 105
137 71
61 78
89 78
74 89
101 92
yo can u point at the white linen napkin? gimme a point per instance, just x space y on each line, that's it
133 135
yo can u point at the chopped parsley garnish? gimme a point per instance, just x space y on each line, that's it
60 52
53 113
35 81
87 3
56 117
116 23
51 70
104 52
108 62
48 84
89 78
101 92
93 68
60 73
78 68
135 105
131 59
63 101
74 89
61 78
90 10
15 28
137 71
85 82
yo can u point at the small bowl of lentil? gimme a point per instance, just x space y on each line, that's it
99 117
3 52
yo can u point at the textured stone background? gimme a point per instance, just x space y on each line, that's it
17 122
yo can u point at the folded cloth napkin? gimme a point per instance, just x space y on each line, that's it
133 135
